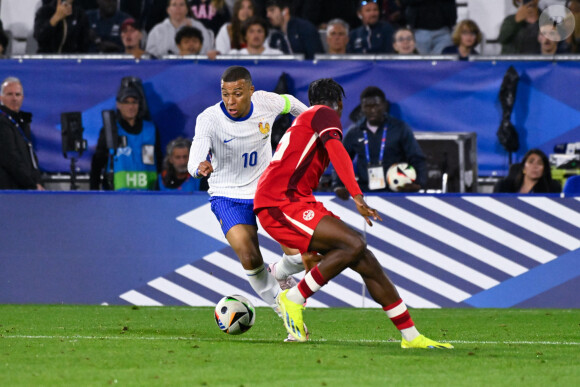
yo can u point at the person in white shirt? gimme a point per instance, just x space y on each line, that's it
236 133
255 31
161 39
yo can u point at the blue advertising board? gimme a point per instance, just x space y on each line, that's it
436 96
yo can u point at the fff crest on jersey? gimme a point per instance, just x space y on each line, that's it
264 129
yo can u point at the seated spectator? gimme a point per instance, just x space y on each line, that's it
161 39
132 38
519 32
189 41
61 27
432 21
255 31
378 141
574 39
404 42
135 161
299 36
174 176
532 175
320 12
374 36
105 25
337 36
549 38
230 34
212 13
18 161
465 37
3 42
393 12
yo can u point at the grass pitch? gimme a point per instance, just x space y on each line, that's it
71 345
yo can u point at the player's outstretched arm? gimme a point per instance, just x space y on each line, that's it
365 210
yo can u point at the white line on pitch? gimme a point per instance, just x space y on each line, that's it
172 338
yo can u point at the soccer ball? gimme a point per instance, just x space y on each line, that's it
235 314
400 174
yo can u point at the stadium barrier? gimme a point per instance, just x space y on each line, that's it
167 249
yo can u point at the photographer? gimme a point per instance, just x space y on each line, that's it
136 161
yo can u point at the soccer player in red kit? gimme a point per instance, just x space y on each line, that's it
286 207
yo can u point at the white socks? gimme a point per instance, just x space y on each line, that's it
264 285
289 265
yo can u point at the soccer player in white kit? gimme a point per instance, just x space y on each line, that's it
236 134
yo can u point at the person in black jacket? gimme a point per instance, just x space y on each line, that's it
61 27
18 162
385 139
532 175
298 36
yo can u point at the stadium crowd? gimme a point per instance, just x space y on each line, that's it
292 27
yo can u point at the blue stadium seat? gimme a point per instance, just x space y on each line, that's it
572 186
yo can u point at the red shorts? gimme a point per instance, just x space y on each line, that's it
293 224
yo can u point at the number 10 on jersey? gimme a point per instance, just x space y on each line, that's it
250 159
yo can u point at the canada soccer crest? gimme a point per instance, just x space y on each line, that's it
264 129
308 215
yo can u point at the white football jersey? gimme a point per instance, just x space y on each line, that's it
240 148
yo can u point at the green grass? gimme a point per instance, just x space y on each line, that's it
58 345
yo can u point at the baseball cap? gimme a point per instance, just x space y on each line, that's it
129 22
127 92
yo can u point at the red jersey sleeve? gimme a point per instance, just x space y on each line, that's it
343 165
326 123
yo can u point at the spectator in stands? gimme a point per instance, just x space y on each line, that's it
319 12
255 31
189 40
212 13
174 177
230 34
337 36
18 162
404 42
393 12
3 41
161 39
432 21
105 25
132 38
61 27
136 160
465 37
149 12
374 36
519 32
574 39
299 35
532 175
379 140
549 38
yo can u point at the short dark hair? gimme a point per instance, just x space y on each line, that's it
278 3
373 91
235 73
325 90
188 32
253 21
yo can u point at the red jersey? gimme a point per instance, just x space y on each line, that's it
301 158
